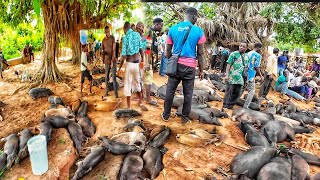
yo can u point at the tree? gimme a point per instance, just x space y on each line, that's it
296 25
63 19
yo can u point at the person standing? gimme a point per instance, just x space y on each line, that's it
235 66
157 27
164 60
191 50
132 52
270 74
224 58
30 51
214 51
117 49
282 60
253 68
108 56
85 73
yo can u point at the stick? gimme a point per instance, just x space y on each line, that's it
222 171
237 147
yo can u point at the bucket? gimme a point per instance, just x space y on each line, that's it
37 147
83 36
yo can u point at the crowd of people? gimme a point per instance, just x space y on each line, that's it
239 68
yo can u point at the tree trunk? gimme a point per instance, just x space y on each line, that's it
75 46
74 32
49 71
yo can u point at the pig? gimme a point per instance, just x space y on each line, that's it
56 121
76 134
46 130
299 169
107 106
88 128
252 137
75 106
311 159
217 113
55 101
154 89
246 163
152 159
89 162
40 92
83 109
24 136
161 92
253 105
277 168
253 117
3 161
63 112
122 113
277 131
11 148
161 138
270 108
132 166
117 148
201 115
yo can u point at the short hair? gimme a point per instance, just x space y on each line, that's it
157 20
258 45
275 50
126 25
192 11
245 42
106 27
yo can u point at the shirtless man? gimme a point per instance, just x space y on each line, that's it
108 56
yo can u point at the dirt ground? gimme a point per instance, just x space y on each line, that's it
180 162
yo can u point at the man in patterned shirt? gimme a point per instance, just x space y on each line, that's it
236 63
132 51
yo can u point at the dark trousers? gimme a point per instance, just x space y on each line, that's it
266 85
223 64
186 75
114 78
233 92
214 61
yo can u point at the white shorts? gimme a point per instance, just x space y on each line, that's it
131 78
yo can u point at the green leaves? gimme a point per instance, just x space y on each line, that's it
36 6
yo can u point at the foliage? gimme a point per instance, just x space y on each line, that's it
13 40
294 28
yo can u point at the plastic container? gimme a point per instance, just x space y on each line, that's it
37 147
83 36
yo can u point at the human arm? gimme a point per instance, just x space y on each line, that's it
113 57
200 52
168 52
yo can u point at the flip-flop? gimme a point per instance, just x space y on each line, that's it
143 108
153 103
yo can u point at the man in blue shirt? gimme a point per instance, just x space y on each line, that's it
282 60
253 67
191 51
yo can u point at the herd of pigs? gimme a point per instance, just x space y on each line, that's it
144 147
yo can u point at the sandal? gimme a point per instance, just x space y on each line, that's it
153 103
143 108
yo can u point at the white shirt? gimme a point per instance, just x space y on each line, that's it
164 41
272 66
297 81
291 78
84 61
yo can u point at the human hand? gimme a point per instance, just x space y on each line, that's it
201 75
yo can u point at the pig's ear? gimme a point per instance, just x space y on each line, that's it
209 92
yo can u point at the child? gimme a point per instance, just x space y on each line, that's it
84 69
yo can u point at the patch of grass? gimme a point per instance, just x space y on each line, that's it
102 177
62 141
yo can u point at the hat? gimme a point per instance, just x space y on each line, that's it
312 84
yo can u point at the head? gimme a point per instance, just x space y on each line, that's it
191 15
243 47
285 52
126 27
157 24
140 27
257 47
286 73
276 51
107 31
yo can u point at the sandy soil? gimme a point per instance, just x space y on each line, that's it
181 161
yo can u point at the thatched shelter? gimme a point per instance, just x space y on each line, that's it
234 22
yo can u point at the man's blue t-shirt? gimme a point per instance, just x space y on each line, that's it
176 35
225 52
281 61
254 62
